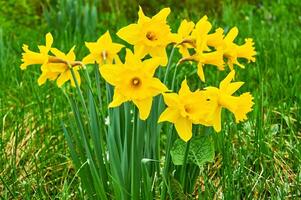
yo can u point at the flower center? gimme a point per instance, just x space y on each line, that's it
187 109
136 82
104 54
151 36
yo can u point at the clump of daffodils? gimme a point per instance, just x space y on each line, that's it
134 79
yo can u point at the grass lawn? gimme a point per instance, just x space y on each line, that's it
257 159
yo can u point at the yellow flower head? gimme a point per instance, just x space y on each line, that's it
149 35
222 98
31 58
58 68
203 40
134 81
182 110
102 51
233 51
183 38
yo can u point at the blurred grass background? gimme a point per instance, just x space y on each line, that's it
259 159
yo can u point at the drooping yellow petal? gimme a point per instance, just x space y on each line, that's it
217 122
200 72
184 128
170 115
63 78
144 107
118 99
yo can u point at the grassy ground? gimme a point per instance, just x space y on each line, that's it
258 159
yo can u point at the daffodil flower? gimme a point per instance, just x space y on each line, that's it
149 35
203 54
182 110
233 51
183 38
134 82
58 68
221 97
32 58
102 51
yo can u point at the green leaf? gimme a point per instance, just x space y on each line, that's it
201 150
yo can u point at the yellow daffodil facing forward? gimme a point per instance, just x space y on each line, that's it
32 58
182 110
149 35
102 51
58 67
134 82
222 98
233 51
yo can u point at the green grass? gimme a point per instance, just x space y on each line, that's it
258 159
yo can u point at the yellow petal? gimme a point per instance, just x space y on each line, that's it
144 107
184 90
171 99
161 53
110 72
224 83
49 40
42 79
170 115
217 124
233 87
201 72
71 55
58 53
89 59
151 65
184 128
157 86
162 15
63 78
129 33
141 16
118 99
231 35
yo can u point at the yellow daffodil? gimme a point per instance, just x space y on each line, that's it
233 51
182 110
102 51
149 35
134 82
183 39
203 54
221 97
31 58
58 67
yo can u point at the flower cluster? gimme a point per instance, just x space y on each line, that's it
134 79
